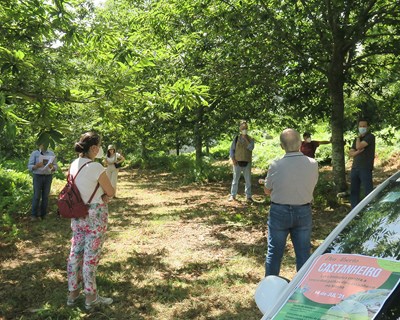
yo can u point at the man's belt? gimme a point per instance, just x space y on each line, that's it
293 205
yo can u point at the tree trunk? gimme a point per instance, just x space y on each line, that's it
144 150
177 146
207 142
336 85
198 138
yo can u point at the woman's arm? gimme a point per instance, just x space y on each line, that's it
324 142
121 158
105 183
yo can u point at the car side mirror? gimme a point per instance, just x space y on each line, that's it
268 292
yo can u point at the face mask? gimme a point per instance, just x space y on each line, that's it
100 154
308 140
244 132
362 130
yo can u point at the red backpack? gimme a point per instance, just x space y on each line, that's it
70 204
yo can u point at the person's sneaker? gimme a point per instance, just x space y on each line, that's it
71 301
231 198
99 301
34 218
249 200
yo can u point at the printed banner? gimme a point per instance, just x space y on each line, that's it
342 286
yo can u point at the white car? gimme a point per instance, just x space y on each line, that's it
353 274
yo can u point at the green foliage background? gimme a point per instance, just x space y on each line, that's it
154 76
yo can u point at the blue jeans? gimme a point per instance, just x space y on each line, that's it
41 189
284 220
360 177
237 170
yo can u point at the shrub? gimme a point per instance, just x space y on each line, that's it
221 151
267 151
15 190
210 172
157 161
184 166
15 197
133 160
324 193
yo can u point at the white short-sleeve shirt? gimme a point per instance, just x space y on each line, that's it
87 179
114 158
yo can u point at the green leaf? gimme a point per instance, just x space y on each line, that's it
19 55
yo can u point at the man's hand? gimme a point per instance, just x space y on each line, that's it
234 162
353 153
245 137
38 165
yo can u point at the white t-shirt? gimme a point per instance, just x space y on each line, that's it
114 158
87 179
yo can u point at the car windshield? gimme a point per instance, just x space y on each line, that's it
375 231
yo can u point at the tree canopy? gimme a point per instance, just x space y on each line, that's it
154 75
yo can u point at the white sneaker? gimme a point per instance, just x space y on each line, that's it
71 302
99 301
231 198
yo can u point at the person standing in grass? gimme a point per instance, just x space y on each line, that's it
290 182
241 155
363 153
42 163
112 160
88 233
308 146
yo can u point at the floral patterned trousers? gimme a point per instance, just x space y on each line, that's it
88 236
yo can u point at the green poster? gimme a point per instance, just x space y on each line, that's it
342 286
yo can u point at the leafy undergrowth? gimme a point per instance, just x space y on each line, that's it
173 252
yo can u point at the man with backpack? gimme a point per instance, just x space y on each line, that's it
241 155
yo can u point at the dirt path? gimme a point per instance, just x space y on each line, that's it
187 251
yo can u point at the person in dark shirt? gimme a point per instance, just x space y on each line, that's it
363 153
308 146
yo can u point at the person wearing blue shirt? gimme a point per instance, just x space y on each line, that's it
42 164
241 156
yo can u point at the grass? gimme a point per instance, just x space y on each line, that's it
173 251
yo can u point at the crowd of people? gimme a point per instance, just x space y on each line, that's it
289 183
